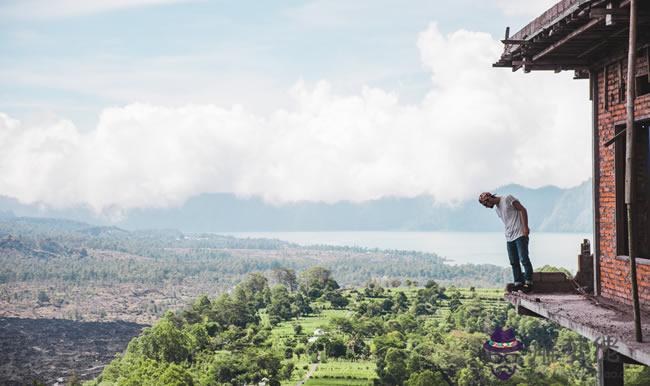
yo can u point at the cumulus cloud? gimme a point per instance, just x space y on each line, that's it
476 129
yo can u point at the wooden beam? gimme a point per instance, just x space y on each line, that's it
550 63
514 41
595 187
629 167
603 42
567 38
557 68
617 14
600 12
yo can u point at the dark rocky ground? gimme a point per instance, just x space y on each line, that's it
43 350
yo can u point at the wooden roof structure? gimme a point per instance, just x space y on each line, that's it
574 35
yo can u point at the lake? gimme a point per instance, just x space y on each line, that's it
558 249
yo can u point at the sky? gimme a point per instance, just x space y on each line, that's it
122 104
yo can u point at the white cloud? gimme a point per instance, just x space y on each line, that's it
48 9
476 129
526 7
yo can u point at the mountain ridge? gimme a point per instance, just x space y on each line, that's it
551 209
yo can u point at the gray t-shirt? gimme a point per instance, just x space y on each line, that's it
510 217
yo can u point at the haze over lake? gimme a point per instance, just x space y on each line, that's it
558 249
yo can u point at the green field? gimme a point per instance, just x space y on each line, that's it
309 323
339 372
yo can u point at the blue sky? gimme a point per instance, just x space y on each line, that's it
122 104
246 52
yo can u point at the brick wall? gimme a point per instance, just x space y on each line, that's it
615 283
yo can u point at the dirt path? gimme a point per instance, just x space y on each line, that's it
312 369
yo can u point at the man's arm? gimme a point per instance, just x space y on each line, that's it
523 215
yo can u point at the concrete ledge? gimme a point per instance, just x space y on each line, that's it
594 319
552 277
549 282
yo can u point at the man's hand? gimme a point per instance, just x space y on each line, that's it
526 231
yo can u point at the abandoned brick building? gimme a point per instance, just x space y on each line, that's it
592 38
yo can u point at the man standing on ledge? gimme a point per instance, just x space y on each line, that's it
515 219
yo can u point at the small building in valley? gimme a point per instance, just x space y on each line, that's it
592 39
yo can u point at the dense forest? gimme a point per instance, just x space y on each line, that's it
305 327
62 250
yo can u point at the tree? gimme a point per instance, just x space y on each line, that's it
317 280
393 371
162 342
300 350
286 277
175 375
431 284
425 378
336 299
228 311
357 348
336 348
254 289
387 305
43 297
300 306
400 302
454 302
280 307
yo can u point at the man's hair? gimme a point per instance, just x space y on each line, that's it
484 196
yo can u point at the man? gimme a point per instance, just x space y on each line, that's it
515 219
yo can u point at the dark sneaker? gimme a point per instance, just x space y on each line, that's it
527 288
514 287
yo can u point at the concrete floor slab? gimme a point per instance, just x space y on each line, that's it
595 318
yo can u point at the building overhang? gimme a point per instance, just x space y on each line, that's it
574 35
592 317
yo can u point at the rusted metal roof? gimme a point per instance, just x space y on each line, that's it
573 35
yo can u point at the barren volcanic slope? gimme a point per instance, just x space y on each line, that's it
42 350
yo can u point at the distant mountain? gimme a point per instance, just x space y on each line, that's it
550 208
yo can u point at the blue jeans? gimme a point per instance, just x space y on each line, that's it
518 252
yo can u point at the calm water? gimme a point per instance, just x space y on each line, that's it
559 249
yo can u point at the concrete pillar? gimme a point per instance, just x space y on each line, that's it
610 367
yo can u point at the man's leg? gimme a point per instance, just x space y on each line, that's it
522 251
513 255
